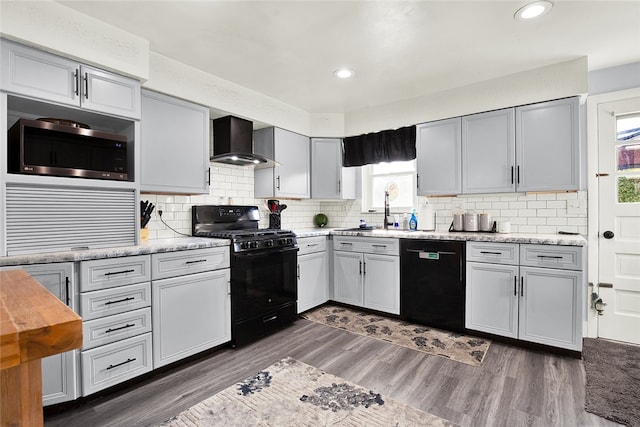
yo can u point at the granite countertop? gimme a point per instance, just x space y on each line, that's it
149 247
187 243
540 239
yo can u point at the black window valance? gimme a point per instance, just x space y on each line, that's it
385 146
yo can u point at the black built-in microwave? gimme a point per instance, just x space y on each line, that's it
43 148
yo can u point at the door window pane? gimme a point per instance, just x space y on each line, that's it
628 189
628 127
629 158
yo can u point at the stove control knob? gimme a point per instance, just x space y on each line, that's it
283 241
244 245
253 245
268 243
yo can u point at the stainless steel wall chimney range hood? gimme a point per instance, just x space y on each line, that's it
233 143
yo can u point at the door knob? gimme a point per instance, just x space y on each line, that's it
608 234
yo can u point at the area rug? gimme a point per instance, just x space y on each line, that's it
292 393
461 348
613 380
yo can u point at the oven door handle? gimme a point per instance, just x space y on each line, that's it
261 254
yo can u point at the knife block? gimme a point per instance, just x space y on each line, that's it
144 235
274 221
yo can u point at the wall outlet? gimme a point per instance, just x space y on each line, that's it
159 207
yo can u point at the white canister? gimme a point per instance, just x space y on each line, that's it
504 227
470 221
458 223
484 222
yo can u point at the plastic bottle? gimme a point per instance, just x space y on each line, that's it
405 221
413 221
395 222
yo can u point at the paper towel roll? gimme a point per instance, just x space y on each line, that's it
426 218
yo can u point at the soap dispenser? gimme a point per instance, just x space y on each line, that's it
413 221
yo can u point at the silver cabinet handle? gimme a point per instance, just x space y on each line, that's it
379 246
196 261
521 286
76 83
86 85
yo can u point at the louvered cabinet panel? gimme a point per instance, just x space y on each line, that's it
45 219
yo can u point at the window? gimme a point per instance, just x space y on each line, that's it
398 178
628 158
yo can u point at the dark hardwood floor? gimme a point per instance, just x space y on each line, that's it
513 387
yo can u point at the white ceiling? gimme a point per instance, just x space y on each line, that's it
289 49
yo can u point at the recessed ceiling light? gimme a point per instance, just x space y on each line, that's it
533 10
343 73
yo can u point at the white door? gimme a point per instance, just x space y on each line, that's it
619 219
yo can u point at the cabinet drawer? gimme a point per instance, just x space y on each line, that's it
372 245
115 328
111 272
549 256
113 301
495 253
114 363
172 264
310 245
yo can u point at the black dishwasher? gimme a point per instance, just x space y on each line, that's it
432 283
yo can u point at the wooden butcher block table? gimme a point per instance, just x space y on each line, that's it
33 324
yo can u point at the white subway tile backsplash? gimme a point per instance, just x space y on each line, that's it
528 213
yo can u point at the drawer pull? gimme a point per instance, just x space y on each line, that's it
128 325
120 300
491 253
379 246
113 273
269 319
346 243
515 286
550 256
311 244
121 363
196 261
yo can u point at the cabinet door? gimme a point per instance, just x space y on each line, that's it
110 93
548 146
190 314
382 283
347 278
439 157
488 152
293 175
550 302
59 370
313 280
39 74
329 180
491 298
175 146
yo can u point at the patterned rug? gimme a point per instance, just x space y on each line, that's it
452 345
291 393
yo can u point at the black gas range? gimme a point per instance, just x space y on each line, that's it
263 268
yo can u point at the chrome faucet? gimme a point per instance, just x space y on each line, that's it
387 214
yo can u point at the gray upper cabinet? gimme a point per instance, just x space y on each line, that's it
439 154
292 151
175 145
41 75
329 180
488 152
548 146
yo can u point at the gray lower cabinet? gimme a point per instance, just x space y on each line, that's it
59 379
292 178
191 303
313 272
439 157
367 273
529 292
115 301
42 75
174 145
329 180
